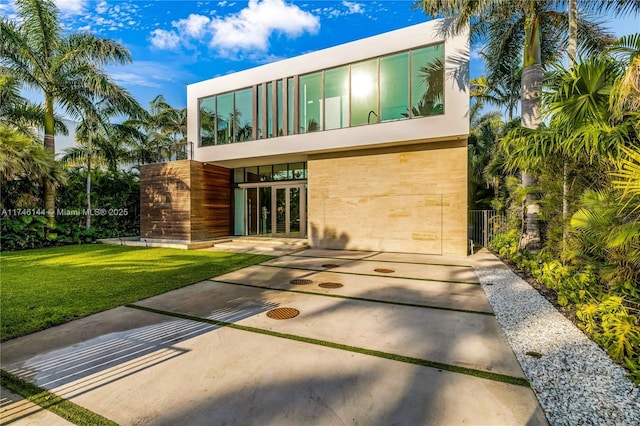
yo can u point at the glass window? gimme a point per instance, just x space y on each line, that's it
225 118
336 98
280 172
394 87
364 92
243 115
280 107
296 171
260 115
310 99
238 175
270 110
251 174
427 81
266 173
290 106
208 121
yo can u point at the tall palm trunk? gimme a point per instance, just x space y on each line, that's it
572 52
89 182
49 144
531 84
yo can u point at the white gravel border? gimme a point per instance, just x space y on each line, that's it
575 380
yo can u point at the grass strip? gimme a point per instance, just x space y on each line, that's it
52 402
371 275
366 259
519 381
362 299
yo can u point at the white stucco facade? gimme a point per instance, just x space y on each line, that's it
453 124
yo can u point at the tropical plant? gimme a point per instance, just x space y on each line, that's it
503 92
24 166
486 130
96 128
66 68
166 130
21 157
626 90
18 113
536 29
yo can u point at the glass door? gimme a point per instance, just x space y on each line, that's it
294 211
277 210
253 211
282 212
266 209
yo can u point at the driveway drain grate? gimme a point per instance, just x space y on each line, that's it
330 265
384 270
300 281
283 313
330 285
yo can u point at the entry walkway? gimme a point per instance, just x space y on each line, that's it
374 338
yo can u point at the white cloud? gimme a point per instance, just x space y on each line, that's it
71 7
253 25
348 8
353 7
147 74
102 7
248 30
194 26
133 79
163 39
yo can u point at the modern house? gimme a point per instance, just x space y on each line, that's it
358 146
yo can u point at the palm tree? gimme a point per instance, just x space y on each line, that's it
514 25
502 92
96 133
486 129
17 112
64 67
167 129
21 157
626 90
583 131
581 125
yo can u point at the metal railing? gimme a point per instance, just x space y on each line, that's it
484 225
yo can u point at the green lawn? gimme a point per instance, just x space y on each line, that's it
45 287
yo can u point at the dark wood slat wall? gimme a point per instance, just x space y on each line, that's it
210 201
185 200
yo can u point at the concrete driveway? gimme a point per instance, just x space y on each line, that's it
387 339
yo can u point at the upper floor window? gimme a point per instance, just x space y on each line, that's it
226 118
427 81
397 86
310 102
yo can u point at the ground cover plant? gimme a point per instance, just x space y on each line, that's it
606 311
45 287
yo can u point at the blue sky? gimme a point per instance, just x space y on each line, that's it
178 41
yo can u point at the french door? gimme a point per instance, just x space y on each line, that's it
272 209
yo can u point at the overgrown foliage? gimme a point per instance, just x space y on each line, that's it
587 160
116 199
598 273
